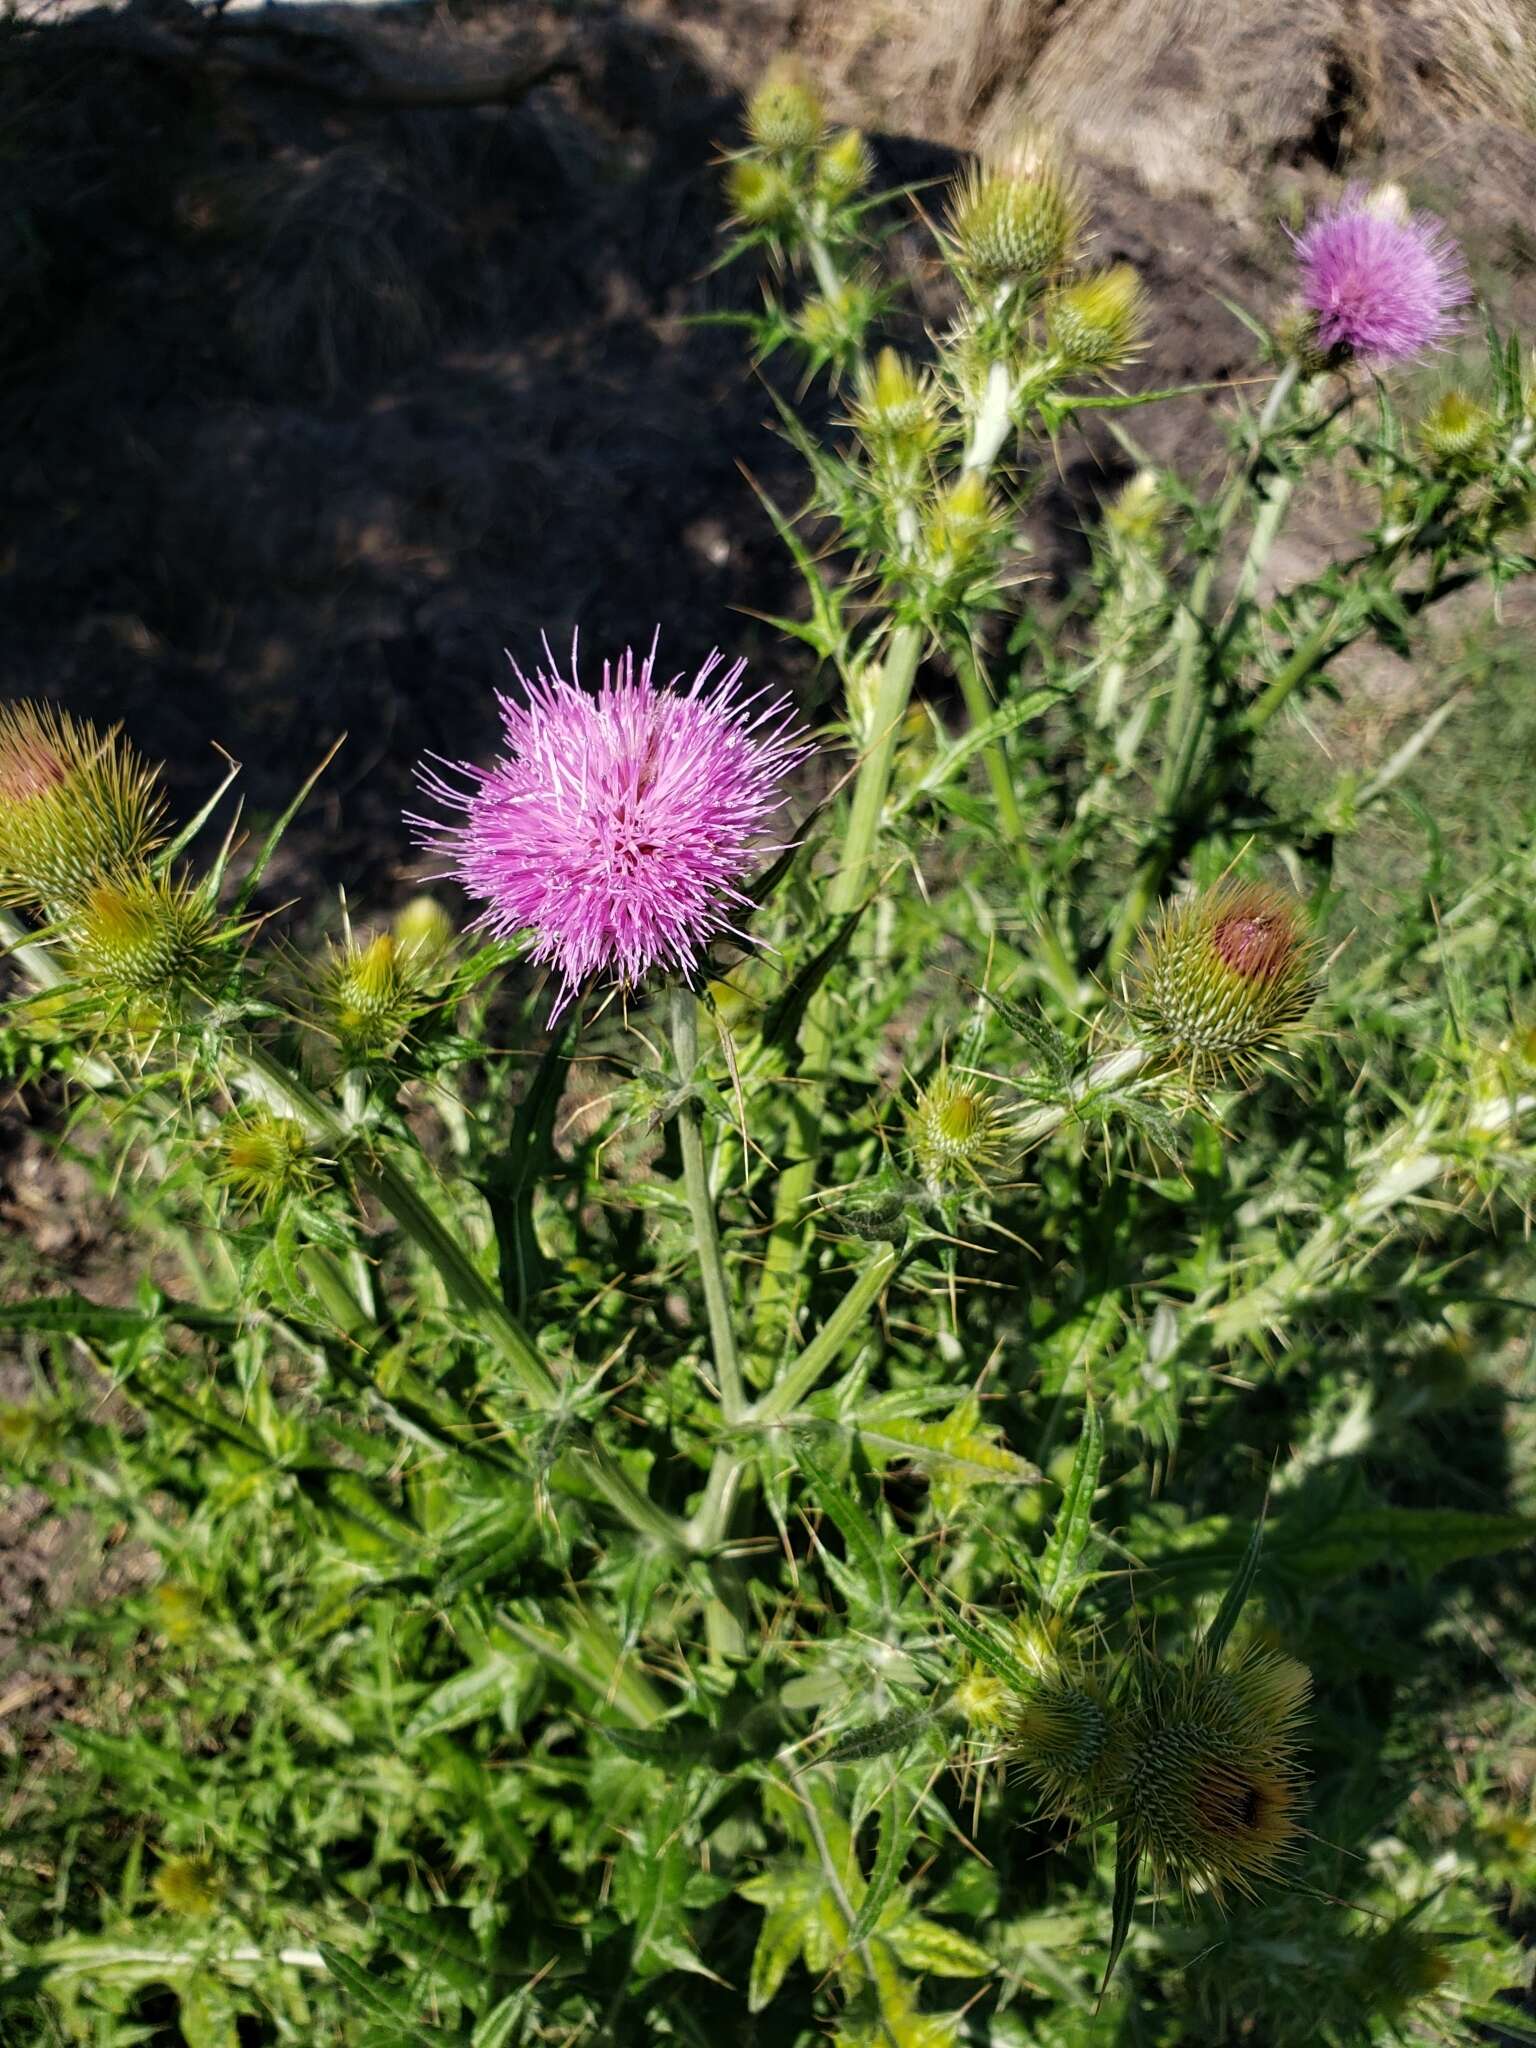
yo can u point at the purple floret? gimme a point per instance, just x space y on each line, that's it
618 827
1384 285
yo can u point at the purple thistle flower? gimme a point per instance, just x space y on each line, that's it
618 827
1384 283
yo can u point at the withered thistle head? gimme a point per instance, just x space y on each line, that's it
1205 1777
76 805
785 113
1096 322
265 1158
1225 977
956 1130
1016 221
144 935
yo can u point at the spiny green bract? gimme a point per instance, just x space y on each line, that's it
957 1130
263 1158
785 113
143 935
76 806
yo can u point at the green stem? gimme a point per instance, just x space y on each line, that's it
731 1466
265 1075
787 1239
979 708
706 1232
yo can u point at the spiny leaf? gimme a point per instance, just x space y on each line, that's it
1215 1638
1060 1571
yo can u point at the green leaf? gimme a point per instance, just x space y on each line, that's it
371 1996
72 1315
494 1687
937 1950
949 763
501 2024
1318 1546
879 1738
779 1941
1060 1571
1127 1876
896 1834
957 1453
866 1551
1215 1639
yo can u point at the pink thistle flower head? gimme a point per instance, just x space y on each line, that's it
1383 283
618 827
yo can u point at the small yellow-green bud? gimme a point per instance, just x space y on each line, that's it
1225 977
760 194
27 1433
371 993
786 113
981 1699
1018 221
189 1886
423 929
143 935
178 1609
844 167
1095 324
1139 513
835 324
961 522
264 1158
1457 434
75 806
955 1129
895 402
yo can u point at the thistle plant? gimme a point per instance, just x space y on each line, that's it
811 1402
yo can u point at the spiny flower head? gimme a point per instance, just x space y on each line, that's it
143 934
1225 976
1384 284
955 1129
1016 221
1400 1967
896 405
786 113
1204 1776
619 827
1095 323
263 1158
188 1885
75 806
1457 434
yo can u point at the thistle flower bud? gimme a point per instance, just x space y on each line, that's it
834 324
75 806
1095 324
1137 517
956 1130
895 403
188 1885
1225 977
1457 434
760 194
961 525
1204 1776
143 935
1018 221
785 113
844 167
264 1158
371 993
1400 1968
981 1699
423 929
